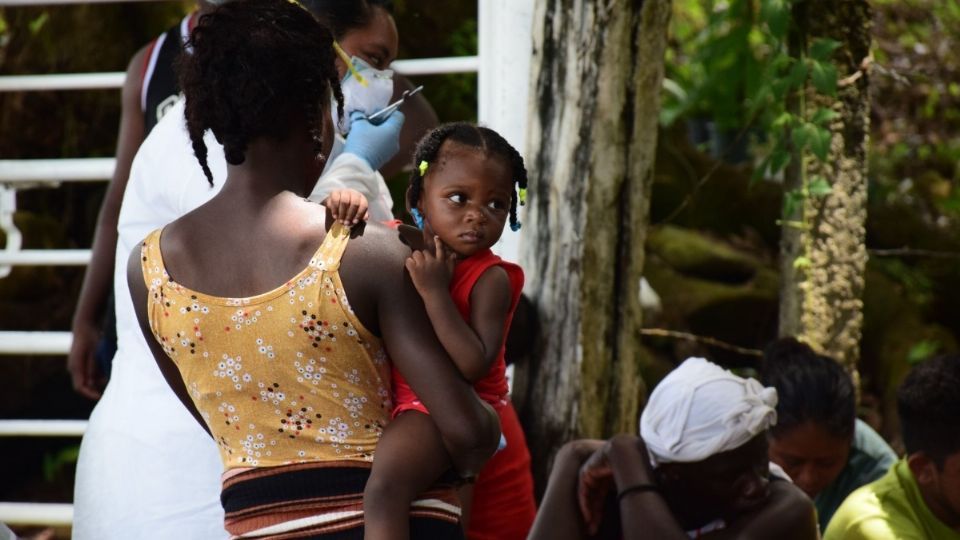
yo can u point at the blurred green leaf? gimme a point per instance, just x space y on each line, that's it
822 48
820 143
819 187
37 24
823 115
776 13
922 350
792 200
779 159
824 77
803 135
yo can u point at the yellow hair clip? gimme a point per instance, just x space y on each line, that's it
346 60
423 168
522 196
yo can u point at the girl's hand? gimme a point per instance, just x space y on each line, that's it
347 206
431 272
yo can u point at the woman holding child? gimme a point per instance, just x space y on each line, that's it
282 358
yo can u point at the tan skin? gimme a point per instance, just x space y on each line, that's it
731 485
261 227
811 455
939 485
465 203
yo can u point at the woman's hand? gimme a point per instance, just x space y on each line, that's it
595 483
619 463
431 272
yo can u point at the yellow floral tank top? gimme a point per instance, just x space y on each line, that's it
287 376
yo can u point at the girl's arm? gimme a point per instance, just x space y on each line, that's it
473 347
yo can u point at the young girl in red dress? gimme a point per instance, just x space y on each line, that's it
467 183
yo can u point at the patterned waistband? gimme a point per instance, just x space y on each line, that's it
312 499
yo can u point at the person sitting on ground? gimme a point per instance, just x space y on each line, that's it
919 497
819 442
698 469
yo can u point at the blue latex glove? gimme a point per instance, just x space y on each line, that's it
375 144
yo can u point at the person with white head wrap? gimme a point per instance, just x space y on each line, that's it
701 409
700 469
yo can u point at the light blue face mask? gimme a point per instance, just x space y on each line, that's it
365 89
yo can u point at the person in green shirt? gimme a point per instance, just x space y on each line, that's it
919 498
818 440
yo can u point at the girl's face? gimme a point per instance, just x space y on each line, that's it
376 43
465 199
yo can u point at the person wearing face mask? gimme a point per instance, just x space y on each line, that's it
146 470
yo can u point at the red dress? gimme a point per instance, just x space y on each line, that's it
503 504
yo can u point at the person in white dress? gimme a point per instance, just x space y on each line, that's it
146 469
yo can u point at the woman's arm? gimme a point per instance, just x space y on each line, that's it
138 294
644 514
98 280
559 517
472 346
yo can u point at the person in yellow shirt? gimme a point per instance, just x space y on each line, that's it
919 498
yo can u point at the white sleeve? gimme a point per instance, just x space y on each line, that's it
347 171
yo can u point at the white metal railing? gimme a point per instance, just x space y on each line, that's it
42 428
35 342
88 81
57 514
494 18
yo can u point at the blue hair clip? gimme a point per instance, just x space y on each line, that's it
515 226
417 217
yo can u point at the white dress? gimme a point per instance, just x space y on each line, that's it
146 469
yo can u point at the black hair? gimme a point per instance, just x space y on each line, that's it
483 138
928 402
810 387
341 16
255 66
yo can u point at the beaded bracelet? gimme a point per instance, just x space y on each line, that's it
635 489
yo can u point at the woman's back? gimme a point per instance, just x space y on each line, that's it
284 376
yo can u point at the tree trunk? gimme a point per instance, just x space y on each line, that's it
821 299
598 70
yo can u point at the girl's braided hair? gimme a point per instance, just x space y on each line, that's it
482 138
255 66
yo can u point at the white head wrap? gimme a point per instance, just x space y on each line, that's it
701 409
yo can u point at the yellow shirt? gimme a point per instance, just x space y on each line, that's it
286 376
890 508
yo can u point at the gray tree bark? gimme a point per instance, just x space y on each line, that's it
821 303
597 71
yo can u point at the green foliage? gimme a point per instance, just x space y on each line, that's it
922 350
53 463
37 24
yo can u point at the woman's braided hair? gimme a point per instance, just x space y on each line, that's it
255 66
482 138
